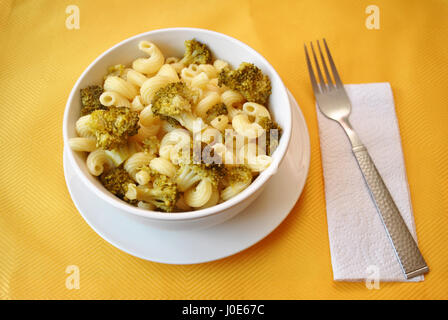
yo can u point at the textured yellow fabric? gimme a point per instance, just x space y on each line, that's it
41 233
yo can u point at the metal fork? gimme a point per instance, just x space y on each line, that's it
334 103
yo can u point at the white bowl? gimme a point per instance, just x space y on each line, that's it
171 43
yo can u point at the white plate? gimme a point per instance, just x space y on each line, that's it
197 246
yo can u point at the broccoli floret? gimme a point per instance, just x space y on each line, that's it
163 193
117 181
116 70
267 124
174 101
238 174
217 110
249 81
151 145
112 127
190 174
90 100
196 52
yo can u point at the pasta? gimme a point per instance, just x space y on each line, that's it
98 161
83 128
206 103
137 104
254 157
146 132
174 144
213 200
82 144
150 86
188 74
168 72
199 195
120 86
170 136
211 135
220 122
256 111
134 163
200 80
212 85
145 205
111 98
135 77
175 63
231 191
163 166
209 70
152 64
233 100
244 127
220 64
147 118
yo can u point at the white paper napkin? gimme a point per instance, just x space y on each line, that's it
360 248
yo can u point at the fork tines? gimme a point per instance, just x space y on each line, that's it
322 85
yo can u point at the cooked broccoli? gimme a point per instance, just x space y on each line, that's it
117 181
249 81
112 127
174 101
151 145
217 110
267 124
238 173
161 191
196 52
116 70
190 174
90 100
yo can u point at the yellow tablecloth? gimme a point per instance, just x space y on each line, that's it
41 233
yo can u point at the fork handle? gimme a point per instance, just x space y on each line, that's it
405 247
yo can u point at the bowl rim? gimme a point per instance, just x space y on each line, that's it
201 213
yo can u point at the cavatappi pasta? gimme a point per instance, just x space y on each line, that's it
176 133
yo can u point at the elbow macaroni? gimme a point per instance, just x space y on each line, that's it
82 127
135 77
163 166
98 161
120 86
111 98
152 64
136 161
137 104
244 127
82 144
206 103
198 196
